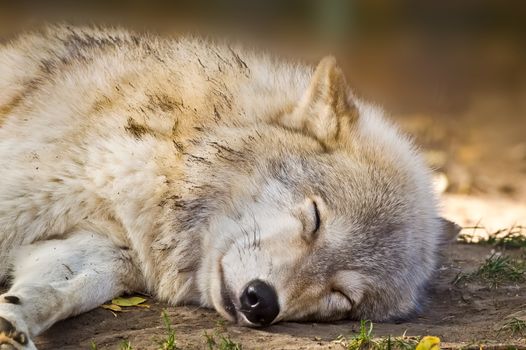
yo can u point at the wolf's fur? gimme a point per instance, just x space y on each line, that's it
187 169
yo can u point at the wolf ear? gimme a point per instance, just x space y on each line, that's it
450 230
325 110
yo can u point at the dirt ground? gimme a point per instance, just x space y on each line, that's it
482 172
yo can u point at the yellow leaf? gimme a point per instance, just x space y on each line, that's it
132 301
429 343
112 307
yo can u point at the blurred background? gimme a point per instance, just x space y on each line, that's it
452 73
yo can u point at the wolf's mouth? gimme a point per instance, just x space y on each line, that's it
226 298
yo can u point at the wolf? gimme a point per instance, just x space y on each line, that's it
201 173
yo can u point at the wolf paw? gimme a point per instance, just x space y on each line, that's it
11 338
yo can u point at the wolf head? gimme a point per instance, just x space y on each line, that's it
334 219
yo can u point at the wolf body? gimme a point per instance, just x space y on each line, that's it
200 173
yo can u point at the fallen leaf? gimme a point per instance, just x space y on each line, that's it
112 307
131 301
429 343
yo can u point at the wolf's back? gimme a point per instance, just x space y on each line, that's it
65 91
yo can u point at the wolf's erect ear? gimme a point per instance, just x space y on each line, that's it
325 110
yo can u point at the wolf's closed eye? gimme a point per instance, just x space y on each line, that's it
317 219
342 295
311 219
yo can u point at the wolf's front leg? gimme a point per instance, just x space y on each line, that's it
55 279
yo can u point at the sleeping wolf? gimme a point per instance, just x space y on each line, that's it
201 173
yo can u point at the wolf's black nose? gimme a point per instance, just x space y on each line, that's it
259 303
